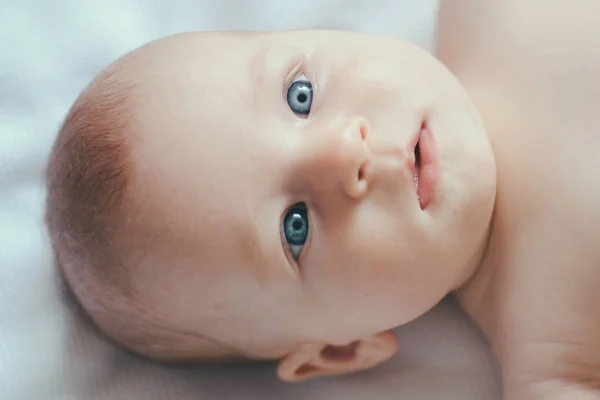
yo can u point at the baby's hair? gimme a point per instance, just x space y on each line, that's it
88 176
89 213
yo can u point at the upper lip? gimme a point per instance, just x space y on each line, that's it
420 158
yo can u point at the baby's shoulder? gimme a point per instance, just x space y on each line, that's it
537 292
536 300
536 297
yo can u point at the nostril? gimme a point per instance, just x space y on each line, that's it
361 172
358 186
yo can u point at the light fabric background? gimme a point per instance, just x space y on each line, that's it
49 50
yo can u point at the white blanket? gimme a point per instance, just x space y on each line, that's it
48 51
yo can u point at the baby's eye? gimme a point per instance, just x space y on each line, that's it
295 228
300 96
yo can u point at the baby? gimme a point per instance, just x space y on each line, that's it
294 196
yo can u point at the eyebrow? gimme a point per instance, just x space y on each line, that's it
261 252
268 67
259 66
252 244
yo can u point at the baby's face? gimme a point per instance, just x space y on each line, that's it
305 186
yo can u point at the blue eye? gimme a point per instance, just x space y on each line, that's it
295 228
300 97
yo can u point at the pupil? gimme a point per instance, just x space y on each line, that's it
302 97
297 225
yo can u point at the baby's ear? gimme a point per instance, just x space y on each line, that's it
312 360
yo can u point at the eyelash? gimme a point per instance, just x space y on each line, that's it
292 75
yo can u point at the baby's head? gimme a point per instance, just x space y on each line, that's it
287 196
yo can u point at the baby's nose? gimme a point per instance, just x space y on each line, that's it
343 156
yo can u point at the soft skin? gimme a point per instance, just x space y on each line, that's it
284 195
224 157
532 69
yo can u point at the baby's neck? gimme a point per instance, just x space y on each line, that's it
473 266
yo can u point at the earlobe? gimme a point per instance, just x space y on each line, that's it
319 359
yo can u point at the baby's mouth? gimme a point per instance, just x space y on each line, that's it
417 169
426 166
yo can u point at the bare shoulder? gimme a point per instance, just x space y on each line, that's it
539 32
547 50
531 67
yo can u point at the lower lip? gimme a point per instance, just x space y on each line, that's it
425 179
